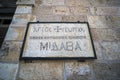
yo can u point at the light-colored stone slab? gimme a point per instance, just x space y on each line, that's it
74 18
23 9
53 2
20 20
61 10
105 10
111 50
105 34
49 18
58 40
42 10
79 10
26 2
8 71
44 70
10 51
15 33
77 71
104 21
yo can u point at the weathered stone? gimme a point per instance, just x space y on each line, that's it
105 10
98 50
20 20
61 10
52 2
26 2
79 10
104 21
74 18
113 2
8 71
85 3
41 71
111 50
43 10
106 71
106 34
77 71
33 18
49 18
15 33
24 9
10 51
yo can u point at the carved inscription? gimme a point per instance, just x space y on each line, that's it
58 40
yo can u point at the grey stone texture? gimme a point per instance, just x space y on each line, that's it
8 71
103 17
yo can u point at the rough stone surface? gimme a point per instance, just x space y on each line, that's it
49 18
43 10
15 34
44 70
61 10
106 71
52 2
77 71
10 51
26 2
8 71
104 21
23 9
79 10
109 34
105 10
20 20
74 18
111 50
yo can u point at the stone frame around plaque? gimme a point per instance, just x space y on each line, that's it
56 58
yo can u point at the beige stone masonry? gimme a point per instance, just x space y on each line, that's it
41 70
105 10
104 21
16 34
10 51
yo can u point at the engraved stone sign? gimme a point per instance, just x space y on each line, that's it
58 40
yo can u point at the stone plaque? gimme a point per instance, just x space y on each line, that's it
58 40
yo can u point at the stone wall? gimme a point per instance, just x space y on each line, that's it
104 19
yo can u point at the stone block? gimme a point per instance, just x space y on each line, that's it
20 20
74 18
105 11
42 10
85 3
49 18
45 70
110 50
15 34
104 21
105 34
106 71
23 9
8 71
52 2
79 10
113 3
61 10
33 18
10 51
98 50
77 71
78 3
26 2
